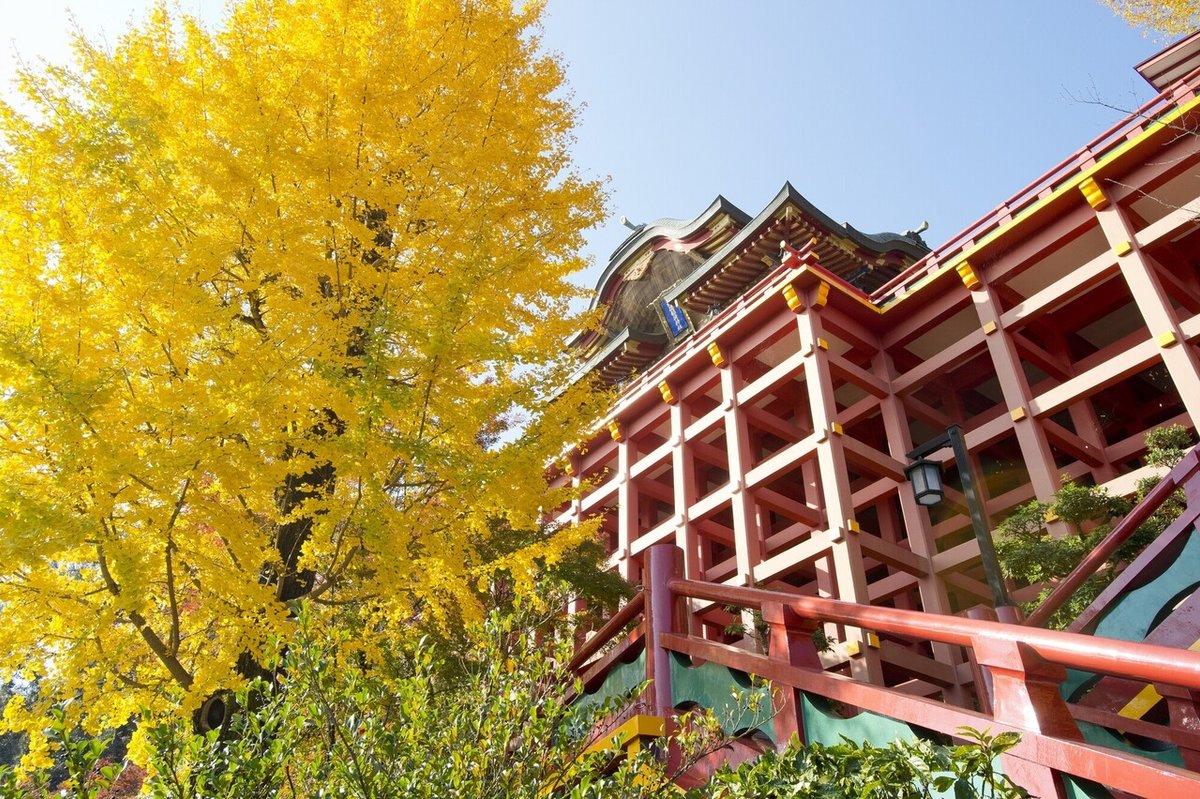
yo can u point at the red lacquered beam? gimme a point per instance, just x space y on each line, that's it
610 630
1140 661
1097 149
1176 736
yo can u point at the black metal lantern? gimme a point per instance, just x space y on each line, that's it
926 478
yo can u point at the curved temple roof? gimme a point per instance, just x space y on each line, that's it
670 274
790 217
662 231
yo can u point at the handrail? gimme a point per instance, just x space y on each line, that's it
1099 147
1113 541
1140 661
1022 667
1130 773
606 633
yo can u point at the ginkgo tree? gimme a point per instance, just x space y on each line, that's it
270 293
1170 17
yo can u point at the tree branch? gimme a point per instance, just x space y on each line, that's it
170 566
169 660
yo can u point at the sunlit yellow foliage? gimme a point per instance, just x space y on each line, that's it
332 234
1172 17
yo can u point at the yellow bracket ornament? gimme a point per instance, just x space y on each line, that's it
967 273
714 352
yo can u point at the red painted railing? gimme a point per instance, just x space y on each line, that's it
1023 666
1135 123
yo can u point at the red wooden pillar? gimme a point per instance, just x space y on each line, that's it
1084 418
845 553
1150 297
1182 704
930 586
790 642
628 518
683 475
683 478
981 676
746 533
1035 449
663 614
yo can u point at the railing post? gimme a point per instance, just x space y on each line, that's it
663 614
1025 694
1009 614
1182 707
790 642
982 677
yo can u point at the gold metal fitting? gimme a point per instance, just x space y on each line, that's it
1093 194
667 395
794 302
967 273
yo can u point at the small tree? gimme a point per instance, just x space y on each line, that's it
1028 552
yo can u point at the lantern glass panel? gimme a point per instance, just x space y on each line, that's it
926 479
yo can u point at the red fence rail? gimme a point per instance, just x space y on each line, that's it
1024 666
1135 123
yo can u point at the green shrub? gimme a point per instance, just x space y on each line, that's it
1029 554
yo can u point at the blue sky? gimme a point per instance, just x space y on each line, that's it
883 114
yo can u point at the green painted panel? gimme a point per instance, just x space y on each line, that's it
1128 618
620 682
822 725
713 686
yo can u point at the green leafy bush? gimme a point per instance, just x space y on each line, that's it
86 775
902 770
347 723
1029 554
344 725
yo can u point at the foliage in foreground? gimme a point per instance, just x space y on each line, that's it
916 769
345 724
269 295
1028 553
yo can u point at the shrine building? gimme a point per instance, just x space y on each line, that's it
776 369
